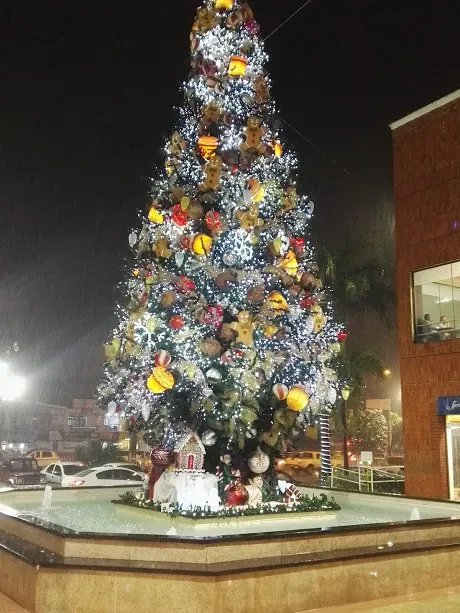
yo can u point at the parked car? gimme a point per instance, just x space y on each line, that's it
128 465
63 473
43 456
21 471
106 477
307 460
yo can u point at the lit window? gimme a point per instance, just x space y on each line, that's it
77 422
436 295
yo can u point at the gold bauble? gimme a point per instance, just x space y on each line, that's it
289 263
277 302
297 399
202 244
270 331
237 66
207 146
223 5
155 216
160 380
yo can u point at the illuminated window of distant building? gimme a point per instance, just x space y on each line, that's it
77 422
436 296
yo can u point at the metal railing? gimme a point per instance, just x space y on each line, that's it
368 479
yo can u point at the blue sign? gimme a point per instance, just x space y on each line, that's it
448 405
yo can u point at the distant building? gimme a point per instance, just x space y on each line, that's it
25 425
426 150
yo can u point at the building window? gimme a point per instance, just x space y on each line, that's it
77 422
436 295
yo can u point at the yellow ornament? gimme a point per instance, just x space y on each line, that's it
257 190
277 148
160 380
185 203
318 317
237 66
297 399
277 302
170 167
270 331
155 216
202 244
207 146
223 5
289 263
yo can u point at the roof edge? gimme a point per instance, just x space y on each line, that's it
425 109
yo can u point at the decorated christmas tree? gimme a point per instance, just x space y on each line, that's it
225 330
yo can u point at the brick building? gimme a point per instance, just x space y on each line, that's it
426 149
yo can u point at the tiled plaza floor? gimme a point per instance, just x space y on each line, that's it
436 601
8 606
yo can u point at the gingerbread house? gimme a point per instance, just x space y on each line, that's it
189 452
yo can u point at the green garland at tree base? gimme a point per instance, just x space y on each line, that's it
307 504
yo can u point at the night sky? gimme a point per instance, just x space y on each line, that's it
87 91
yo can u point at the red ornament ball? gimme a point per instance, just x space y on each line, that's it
212 219
178 215
236 496
185 285
176 322
162 358
306 302
342 336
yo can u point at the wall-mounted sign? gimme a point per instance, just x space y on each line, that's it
448 405
367 457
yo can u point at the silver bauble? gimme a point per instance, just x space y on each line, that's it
209 438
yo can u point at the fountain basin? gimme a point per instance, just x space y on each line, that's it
86 551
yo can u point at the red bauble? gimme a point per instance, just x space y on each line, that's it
306 302
342 336
143 298
162 358
214 315
178 215
212 219
176 322
298 243
185 285
236 496
185 242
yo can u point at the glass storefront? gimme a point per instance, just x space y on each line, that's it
453 455
436 297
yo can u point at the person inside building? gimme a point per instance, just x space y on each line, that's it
428 331
445 325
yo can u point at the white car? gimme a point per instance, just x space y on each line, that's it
134 467
63 473
106 477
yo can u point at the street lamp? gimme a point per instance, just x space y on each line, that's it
345 395
11 386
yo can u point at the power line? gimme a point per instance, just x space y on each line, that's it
336 164
288 19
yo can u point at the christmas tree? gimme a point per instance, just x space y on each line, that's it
225 329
